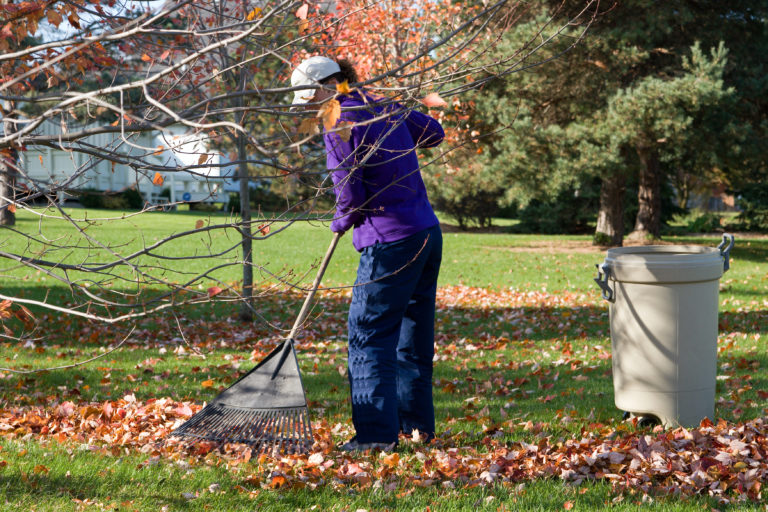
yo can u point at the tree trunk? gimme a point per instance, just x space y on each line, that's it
610 217
648 221
246 313
7 189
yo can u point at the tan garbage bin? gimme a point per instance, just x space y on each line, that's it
663 321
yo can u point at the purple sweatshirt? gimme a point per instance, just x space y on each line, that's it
378 185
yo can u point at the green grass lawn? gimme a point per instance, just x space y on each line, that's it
512 309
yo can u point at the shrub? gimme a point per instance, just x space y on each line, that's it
128 199
569 212
753 201
704 223
470 197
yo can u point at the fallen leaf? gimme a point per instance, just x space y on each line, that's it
568 505
207 383
391 460
277 482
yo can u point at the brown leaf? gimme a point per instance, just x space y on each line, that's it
199 224
309 127
202 159
330 113
345 130
54 17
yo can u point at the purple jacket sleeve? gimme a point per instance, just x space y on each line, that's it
342 161
425 130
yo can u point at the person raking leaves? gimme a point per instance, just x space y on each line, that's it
380 195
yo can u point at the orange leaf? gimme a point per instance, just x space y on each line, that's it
433 100
343 87
213 290
203 158
264 229
41 159
391 460
277 482
568 505
40 469
330 113
302 12
255 13
146 58
199 224
207 383
158 179
12 208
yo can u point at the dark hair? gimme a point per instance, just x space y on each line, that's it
347 73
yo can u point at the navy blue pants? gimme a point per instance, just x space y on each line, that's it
391 337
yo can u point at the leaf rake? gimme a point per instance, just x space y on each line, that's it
266 407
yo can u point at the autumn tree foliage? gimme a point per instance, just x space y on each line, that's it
97 80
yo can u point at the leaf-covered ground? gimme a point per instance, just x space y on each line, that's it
522 387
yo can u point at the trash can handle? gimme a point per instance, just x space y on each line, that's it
603 272
725 252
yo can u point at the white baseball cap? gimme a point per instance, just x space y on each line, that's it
310 72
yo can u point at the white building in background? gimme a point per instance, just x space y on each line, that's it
173 149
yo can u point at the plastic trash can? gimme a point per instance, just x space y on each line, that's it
663 304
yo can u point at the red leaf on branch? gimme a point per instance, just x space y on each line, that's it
214 290
433 100
302 12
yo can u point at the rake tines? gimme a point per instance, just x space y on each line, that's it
284 429
265 408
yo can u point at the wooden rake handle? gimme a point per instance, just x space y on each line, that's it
315 285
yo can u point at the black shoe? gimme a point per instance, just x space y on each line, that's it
353 445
